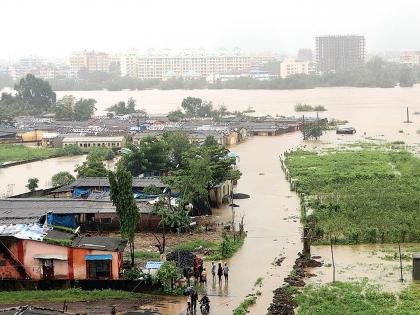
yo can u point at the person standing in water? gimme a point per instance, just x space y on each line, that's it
226 272
220 273
213 270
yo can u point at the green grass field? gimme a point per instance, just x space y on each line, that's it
69 295
364 195
11 153
357 298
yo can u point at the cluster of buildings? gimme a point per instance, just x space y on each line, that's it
112 132
332 54
39 67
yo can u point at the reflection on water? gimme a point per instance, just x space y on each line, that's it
356 262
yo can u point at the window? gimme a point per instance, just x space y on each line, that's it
106 220
98 269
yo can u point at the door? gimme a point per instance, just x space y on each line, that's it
47 269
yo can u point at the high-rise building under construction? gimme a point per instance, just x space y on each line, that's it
339 53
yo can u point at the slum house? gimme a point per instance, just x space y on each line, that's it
35 251
9 135
90 215
98 188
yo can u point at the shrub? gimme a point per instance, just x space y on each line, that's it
167 274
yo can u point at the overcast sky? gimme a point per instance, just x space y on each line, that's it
55 27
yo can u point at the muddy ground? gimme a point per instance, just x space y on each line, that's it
93 307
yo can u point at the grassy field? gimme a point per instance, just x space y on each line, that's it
10 152
69 295
360 195
357 298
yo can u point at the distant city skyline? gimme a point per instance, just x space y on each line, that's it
49 28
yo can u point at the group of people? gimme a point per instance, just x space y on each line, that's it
192 303
220 271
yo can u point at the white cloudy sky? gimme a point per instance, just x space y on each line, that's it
55 27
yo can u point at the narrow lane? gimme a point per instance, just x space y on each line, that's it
272 222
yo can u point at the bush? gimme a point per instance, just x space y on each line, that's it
102 153
167 275
242 309
72 150
136 274
62 178
152 190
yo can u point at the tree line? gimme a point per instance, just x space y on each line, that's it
374 73
33 96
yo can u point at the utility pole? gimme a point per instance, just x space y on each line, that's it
408 117
401 266
303 127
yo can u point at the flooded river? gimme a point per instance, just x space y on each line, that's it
271 214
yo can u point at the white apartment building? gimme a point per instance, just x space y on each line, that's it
186 65
128 64
91 61
291 66
410 57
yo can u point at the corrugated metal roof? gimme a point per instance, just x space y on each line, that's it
104 182
25 231
30 210
99 243
93 139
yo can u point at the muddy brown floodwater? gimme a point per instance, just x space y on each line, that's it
271 214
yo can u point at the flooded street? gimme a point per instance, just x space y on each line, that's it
271 214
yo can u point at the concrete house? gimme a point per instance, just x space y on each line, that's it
35 251
93 141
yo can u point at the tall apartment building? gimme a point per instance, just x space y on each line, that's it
339 53
291 66
186 65
90 61
410 58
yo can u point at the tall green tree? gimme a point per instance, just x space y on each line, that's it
121 108
35 92
121 183
84 109
63 109
135 161
407 77
179 144
156 153
92 167
203 168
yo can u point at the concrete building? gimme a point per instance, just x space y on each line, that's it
91 142
339 53
410 58
35 251
188 64
89 61
290 67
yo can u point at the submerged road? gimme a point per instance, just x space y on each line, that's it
271 219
